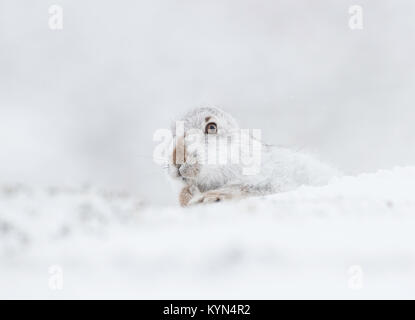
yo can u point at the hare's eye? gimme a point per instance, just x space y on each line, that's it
211 128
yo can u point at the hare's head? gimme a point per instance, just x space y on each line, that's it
202 139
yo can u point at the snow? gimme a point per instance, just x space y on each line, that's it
353 238
84 102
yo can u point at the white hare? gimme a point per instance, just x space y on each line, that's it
225 175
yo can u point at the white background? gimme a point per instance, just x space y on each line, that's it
81 105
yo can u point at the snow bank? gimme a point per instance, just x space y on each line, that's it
351 239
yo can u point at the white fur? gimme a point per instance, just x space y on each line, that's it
281 169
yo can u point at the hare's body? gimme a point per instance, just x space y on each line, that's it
272 169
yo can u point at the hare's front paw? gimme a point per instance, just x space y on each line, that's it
185 196
189 195
214 196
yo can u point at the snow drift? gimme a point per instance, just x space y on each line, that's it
353 238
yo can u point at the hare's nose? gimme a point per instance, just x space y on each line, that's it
179 170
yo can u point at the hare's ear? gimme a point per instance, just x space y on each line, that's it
179 152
